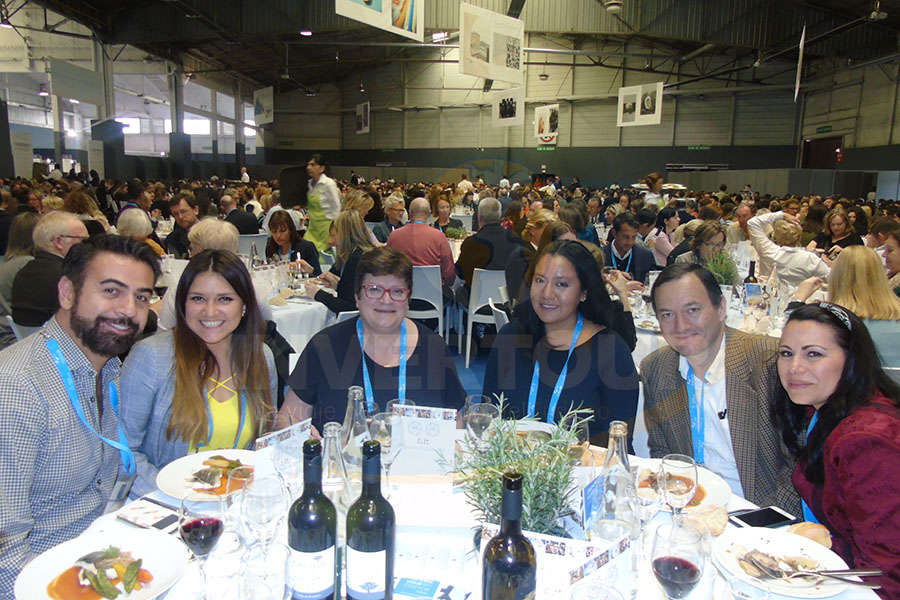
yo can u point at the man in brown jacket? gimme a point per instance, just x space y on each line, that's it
708 393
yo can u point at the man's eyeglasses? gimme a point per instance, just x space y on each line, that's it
376 292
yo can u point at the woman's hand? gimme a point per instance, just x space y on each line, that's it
807 288
792 219
329 279
304 266
812 246
310 289
621 285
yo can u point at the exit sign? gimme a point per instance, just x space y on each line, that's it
823 129
698 147
546 148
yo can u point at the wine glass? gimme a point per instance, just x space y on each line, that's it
471 400
678 480
200 526
678 558
263 506
646 505
267 572
381 429
579 445
288 464
478 419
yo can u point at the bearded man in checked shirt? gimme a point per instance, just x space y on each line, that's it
56 474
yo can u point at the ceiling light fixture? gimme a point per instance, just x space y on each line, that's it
362 88
305 32
4 22
42 91
74 101
439 36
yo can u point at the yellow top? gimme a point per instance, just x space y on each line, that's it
226 417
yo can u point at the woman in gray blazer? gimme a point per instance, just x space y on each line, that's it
208 384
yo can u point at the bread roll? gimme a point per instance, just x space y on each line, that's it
813 531
714 517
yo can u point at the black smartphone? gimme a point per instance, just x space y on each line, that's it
771 516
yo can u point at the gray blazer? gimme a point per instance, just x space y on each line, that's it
764 463
147 386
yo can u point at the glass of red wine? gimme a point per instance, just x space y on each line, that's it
678 558
200 525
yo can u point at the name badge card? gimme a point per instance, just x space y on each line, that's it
266 445
427 436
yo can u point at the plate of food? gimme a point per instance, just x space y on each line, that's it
204 475
131 565
711 490
757 556
648 325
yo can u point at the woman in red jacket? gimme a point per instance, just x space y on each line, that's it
840 414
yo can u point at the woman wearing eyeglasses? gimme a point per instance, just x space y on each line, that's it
402 358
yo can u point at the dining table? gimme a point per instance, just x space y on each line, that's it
434 544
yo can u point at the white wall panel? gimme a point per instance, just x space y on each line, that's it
460 128
762 120
388 128
491 137
875 111
423 129
706 121
594 124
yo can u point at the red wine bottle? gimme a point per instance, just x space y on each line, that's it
509 563
751 276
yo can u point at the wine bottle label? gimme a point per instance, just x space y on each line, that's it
365 574
311 574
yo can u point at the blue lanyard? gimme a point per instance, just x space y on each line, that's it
612 253
560 381
68 380
807 511
698 424
212 426
367 383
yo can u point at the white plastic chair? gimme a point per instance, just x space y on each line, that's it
21 331
326 261
500 317
246 241
427 286
346 315
485 285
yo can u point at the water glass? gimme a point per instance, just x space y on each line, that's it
678 479
478 419
263 506
266 574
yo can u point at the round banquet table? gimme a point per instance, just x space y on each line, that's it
299 320
434 542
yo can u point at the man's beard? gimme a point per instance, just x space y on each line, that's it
104 342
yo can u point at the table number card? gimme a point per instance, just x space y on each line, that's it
429 431
294 435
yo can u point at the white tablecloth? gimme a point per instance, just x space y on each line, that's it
298 321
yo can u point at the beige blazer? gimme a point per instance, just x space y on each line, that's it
763 461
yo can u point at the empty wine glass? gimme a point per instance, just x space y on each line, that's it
381 430
478 419
263 506
678 482
389 408
289 465
266 573
678 558
471 400
646 505
200 525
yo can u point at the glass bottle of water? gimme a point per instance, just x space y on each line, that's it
355 430
615 515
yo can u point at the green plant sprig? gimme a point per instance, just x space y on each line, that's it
548 490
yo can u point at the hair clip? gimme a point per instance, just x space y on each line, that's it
838 312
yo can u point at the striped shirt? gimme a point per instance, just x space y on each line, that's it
55 475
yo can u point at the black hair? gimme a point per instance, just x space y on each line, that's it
597 304
664 215
861 378
625 218
645 216
80 255
133 189
319 160
679 270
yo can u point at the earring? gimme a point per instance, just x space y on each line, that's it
243 311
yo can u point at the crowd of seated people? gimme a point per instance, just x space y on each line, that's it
811 421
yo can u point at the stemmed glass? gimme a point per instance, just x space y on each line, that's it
389 407
678 482
288 464
477 419
678 558
200 529
263 506
381 429
580 445
646 505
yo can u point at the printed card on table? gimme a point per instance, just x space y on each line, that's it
265 447
427 432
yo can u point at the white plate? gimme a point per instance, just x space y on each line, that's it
717 491
777 543
173 478
163 555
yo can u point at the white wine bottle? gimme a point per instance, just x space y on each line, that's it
370 535
509 563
